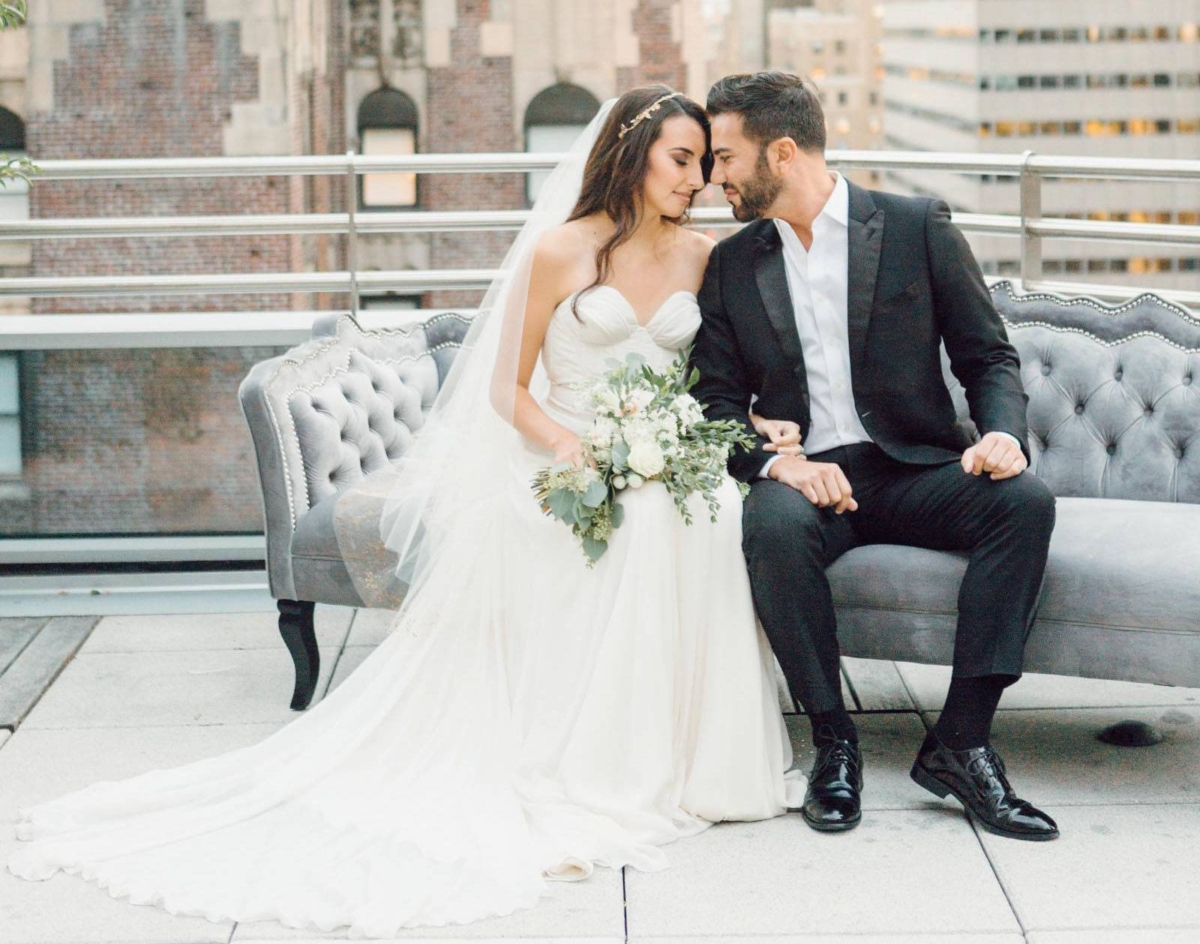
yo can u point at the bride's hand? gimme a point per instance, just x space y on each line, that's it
569 450
784 435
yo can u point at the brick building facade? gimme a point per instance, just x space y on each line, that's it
152 441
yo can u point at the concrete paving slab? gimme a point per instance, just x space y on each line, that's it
1123 936
877 685
370 627
350 659
15 634
39 663
209 631
38 765
1115 867
779 877
592 910
473 940
928 684
889 743
1053 756
68 910
955 937
140 689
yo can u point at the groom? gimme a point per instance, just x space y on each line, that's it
829 308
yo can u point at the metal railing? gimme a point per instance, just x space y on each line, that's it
238 328
285 327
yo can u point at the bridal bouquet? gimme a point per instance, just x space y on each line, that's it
648 428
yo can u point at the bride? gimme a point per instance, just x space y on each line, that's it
527 718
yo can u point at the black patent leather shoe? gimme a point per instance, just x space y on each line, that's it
832 802
977 779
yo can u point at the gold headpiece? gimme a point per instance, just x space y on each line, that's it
642 115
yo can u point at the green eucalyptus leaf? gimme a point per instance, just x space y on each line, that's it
594 549
595 495
561 503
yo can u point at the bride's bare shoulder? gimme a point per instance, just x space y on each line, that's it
700 244
562 258
698 248
566 242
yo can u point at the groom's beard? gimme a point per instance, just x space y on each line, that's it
758 192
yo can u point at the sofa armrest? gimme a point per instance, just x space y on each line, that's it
269 452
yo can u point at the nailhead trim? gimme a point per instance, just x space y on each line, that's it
1087 334
1094 303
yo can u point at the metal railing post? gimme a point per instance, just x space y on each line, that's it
352 231
1031 210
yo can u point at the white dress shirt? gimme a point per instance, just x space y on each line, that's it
817 280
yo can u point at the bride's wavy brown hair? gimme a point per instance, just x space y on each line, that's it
616 168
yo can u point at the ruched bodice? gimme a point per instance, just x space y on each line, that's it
577 350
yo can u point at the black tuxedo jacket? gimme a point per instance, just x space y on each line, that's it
913 282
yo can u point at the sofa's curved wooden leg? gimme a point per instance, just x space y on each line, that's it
296 628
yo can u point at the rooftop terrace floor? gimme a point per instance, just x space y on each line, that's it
145 691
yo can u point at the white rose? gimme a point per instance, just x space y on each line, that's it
638 431
690 412
635 481
637 401
605 400
619 482
646 459
602 433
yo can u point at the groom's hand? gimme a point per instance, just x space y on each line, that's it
997 454
822 483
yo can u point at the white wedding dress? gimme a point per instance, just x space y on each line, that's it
559 718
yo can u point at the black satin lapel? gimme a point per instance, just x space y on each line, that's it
865 241
771 276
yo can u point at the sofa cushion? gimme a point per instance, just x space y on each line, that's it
337 554
1121 598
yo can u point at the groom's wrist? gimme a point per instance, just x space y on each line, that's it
773 462
1000 432
765 471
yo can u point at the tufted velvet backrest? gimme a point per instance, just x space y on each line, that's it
336 408
1114 394
358 418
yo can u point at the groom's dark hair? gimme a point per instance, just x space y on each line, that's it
773 105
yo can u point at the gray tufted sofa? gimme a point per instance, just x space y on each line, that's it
1114 418
1114 430
323 417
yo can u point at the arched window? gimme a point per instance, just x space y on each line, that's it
14 196
553 121
387 125
14 205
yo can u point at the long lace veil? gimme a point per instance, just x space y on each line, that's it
442 496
